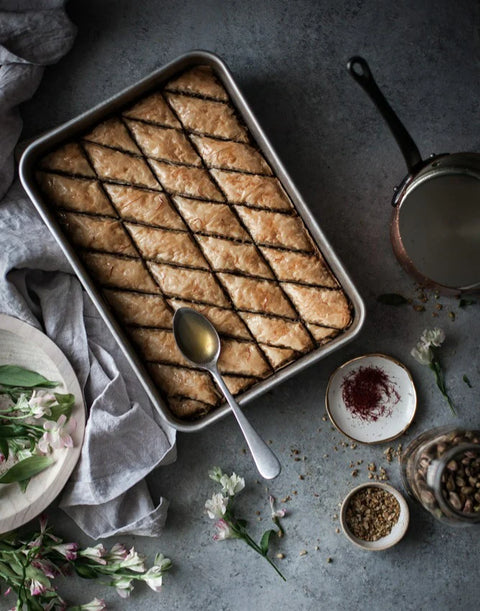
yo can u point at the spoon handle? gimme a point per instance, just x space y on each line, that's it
267 463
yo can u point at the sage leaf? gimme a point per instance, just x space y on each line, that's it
265 541
463 303
13 375
26 468
392 299
13 431
467 381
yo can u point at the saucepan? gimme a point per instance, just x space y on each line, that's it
435 228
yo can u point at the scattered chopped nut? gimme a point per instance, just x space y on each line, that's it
355 473
329 560
280 556
372 467
303 552
301 476
337 530
286 499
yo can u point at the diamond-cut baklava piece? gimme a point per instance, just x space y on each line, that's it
120 167
114 271
193 182
208 117
95 233
142 206
70 159
225 255
166 246
261 191
138 309
230 155
81 195
164 143
215 219
199 80
153 109
113 133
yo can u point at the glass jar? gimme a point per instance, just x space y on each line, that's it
441 470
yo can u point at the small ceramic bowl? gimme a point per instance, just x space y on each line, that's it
398 530
398 409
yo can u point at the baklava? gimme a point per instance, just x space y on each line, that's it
170 203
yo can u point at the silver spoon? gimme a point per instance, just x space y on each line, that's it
198 341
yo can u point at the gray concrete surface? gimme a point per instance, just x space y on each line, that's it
289 60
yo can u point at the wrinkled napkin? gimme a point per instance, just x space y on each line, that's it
125 438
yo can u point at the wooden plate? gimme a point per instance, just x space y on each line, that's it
21 344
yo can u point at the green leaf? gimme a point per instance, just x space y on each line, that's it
13 375
392 299
467 381
65 406
463 303
265 541
25 469
85 571
13 431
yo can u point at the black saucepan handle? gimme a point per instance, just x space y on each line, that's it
360 71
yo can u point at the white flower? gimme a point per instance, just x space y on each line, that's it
215 473
216 506
97 604
153 578
433 337
224 531
133 561
57 434
232 485
96 553
279 513
422 353
40 403
124 586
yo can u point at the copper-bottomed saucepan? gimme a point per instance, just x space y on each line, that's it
435 229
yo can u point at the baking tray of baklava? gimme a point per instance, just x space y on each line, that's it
169 195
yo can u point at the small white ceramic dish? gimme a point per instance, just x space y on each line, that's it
28 347
398 409
398 530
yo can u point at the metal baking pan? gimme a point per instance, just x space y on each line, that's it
87 120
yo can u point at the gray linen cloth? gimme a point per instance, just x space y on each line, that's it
124 437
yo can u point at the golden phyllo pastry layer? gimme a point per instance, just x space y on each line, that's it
170 203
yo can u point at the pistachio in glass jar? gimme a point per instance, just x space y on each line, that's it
441 470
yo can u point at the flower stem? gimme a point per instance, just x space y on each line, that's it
249 541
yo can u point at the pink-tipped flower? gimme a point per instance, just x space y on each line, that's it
7 591
279 513
96 553
57 434
47 567
224 531
37 587
118 553
68 550
133 561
